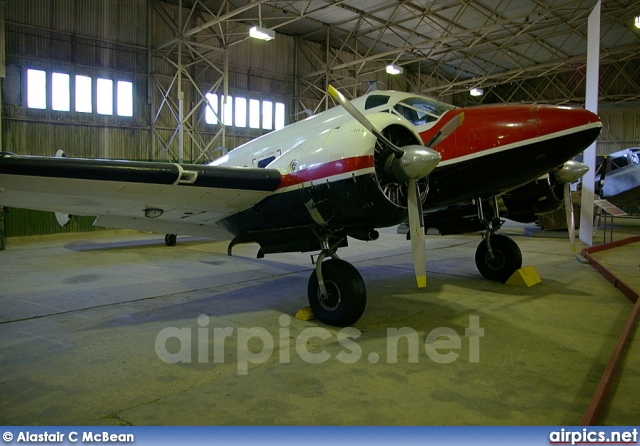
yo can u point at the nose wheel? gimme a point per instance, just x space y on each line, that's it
497 256
501 261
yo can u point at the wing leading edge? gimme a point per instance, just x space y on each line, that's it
186 199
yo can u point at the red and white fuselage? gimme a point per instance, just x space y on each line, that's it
497 148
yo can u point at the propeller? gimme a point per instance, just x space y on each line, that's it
567 174
568 210
416 228
62 219
410 164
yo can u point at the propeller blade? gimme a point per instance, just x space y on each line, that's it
416 228
568 208
569 172
63 219
353 111
446 130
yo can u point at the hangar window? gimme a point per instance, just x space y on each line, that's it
227 110
105 96
279 121
83 94
125 98
241 112
254 113
211 112
267 115
37 89
61 86
60 97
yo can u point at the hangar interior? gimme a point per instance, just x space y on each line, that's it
182 80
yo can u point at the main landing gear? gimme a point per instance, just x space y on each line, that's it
336 290
170 239
497 256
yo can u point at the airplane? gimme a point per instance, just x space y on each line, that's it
619 181
365 164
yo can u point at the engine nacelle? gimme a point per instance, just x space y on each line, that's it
541 196
523 205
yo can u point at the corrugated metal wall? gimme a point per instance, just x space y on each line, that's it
96 39
105 38
621 129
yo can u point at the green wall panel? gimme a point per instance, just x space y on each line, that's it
21 222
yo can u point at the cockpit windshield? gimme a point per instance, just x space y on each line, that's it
421 110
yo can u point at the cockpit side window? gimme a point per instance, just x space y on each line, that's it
375 100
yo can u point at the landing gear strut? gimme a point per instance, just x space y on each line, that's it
336 290
497 256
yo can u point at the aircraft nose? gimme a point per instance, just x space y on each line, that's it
556 118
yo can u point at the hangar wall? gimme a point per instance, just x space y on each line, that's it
95 39
621 127
115 39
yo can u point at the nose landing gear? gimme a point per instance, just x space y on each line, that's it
497 256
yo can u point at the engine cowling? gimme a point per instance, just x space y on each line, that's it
538 197
523 205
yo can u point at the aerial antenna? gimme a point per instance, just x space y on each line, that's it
373 85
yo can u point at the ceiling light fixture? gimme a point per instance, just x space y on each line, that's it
476 91
638 21
394 69
258 32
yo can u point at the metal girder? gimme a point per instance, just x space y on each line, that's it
446 47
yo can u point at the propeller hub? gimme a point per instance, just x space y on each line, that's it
570 172
416 163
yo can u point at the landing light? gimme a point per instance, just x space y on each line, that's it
394 69
153 213
262 33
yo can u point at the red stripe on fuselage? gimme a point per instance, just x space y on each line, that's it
493 126
325 170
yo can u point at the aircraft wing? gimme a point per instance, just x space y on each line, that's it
153 196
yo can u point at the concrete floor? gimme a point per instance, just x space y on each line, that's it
86 318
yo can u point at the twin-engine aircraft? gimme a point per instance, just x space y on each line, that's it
377 161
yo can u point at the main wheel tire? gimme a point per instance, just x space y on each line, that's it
347 294
170 239
507 258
